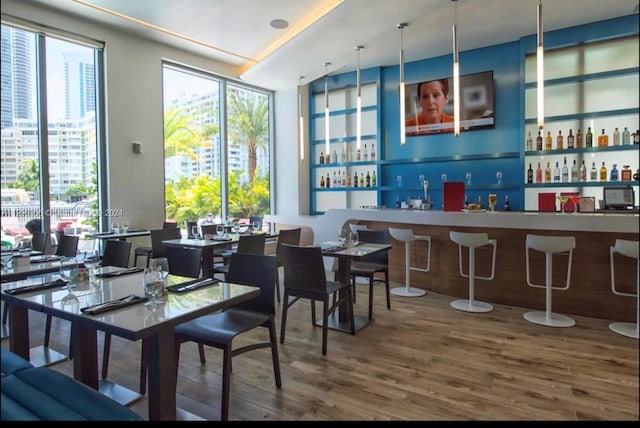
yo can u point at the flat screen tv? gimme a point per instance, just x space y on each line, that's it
429 104
618 198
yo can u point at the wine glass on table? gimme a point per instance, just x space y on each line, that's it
195 231
92 262
493 199
575 199
124 225
220 230
162 264
563 200
7 257
115 227
255 226
342 236
153 284
69 271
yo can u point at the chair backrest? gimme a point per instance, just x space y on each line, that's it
403 235
374 237
208 229
189 225
287 236
259 219
258 270
67 245
184 261
251 244
169 225
41 241
357 227
116 253
158 235
303 268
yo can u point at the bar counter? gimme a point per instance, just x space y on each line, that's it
589 293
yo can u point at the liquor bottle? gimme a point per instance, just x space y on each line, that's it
343 181
334 157
559 141
538 174
529 174
358 156
507 205
348 184
539 141
616 137
614 173
355 179
589 138
327 158
335 181
578 139
570 140
636 137
374 179
575 172
565 172
368 180
593 174
529 144
398 202
322 181
361 184
556 173
321 158
327 182
365 154
343 155
603 139
372 154
548 142
626 137
625 173
603 172
547 174
583 171
479 201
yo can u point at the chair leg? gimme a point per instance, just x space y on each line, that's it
325 323
283 321
278 284
47 331
370 297
203 360
352 317
106 349
386 284
313 312
143 367
274 352
226 378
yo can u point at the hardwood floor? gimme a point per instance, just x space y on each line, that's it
422 360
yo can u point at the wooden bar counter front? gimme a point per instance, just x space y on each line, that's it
589 293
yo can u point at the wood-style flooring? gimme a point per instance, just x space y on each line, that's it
421 360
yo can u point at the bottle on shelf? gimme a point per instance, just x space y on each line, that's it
373 178
548 142
603 172
343 180
559 141
327 181
616 137
335 181
547 174
334 157
583 171
398 205
578 139
625 173
614 173
343 155
327 158
372 153
355 179
358 156
539 141
565 172
480 201
322 181
365 154
589 138
636 137
626 136
556 173
361 183
348 183
603 139
538 174
593 174
507 205
529 143
570 140
530 174
321 158
575 172
368 180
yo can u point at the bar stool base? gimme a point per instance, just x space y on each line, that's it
410 292
625 328
554 320
471 306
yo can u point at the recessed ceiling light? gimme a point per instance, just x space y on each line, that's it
279 24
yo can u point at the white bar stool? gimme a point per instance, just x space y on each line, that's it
472 241
407 236
628 249
550 245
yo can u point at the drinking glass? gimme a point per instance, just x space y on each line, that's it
342 236
162 265
195 232
421 179
353 239
499 177
69 271
7 257
399 179
125 226
256 226
115 227
153 284
236 228
92 262
468 178
575 200
220 230
493 199
563 200
443 177
70 303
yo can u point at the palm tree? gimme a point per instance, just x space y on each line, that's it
248 123
181 134
29 176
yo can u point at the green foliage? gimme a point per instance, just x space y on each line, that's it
29 176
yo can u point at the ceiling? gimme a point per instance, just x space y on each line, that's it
238 32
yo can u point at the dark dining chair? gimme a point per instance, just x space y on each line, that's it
285 236
116 253
219 329
148 251
247 244
67 245
305 278
189 225
184 261
41 241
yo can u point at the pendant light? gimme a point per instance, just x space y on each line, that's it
300 119
456 73
327 138
358 102
540 67
403 138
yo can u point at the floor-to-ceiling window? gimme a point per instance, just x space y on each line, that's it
217 147
49 151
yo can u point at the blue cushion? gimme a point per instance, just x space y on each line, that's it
12 362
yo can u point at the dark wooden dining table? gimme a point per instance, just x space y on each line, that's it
135 322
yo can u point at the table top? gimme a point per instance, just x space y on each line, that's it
20 270
229 238
132 322
120 235
360 250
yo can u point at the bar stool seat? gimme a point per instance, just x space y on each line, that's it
473 241
627 249
549 245
407 236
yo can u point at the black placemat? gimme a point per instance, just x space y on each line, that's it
192 285
113 305
118 273
36 287
45 259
